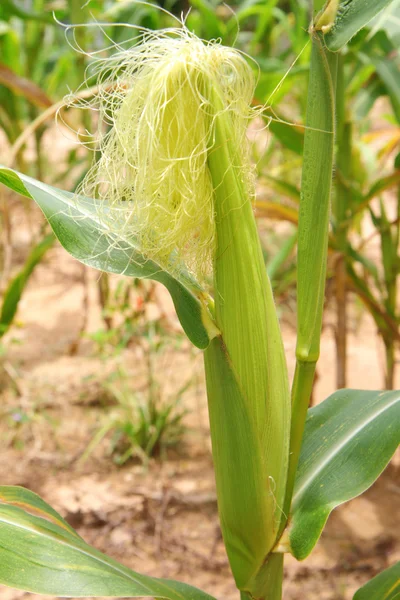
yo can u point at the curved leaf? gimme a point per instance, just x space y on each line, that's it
385 586
87 237
11 9
352 16
388 72
289 136
40 553
15 288
33 504
348 440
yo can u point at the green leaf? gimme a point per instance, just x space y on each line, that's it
209 19
11 9
368 264
316 186
366 293
352 16
348 440
388 22
291 137
381 185
281 256
41 553
87 238
388 71
385 586
284 188
366 99
13 293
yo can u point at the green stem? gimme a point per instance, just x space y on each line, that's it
78 15
341 323
268 583
342 200
389 245
301 393
313 242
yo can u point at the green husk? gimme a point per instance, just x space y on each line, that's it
247 382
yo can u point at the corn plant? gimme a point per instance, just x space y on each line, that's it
367 69
141 425
170 199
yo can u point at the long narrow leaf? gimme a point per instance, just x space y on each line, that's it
314 210
40 553
289 136
385 586
388 71
14 291
348 441
352 16
87 237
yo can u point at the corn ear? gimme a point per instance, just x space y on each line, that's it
246 373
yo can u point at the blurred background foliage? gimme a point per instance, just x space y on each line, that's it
38 68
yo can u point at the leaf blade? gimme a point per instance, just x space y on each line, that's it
15 288
353 15
385 586
33 504
88 238
40 556
340 434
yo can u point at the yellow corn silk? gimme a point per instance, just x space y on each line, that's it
174 173
152 174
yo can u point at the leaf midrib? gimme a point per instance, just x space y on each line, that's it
63 197
122 572
90 215
337 448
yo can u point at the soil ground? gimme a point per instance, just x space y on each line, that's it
160 519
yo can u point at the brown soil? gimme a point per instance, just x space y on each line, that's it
161 519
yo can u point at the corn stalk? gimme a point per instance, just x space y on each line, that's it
312 238
340 205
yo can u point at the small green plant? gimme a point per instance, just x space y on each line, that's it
172 201
140 425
